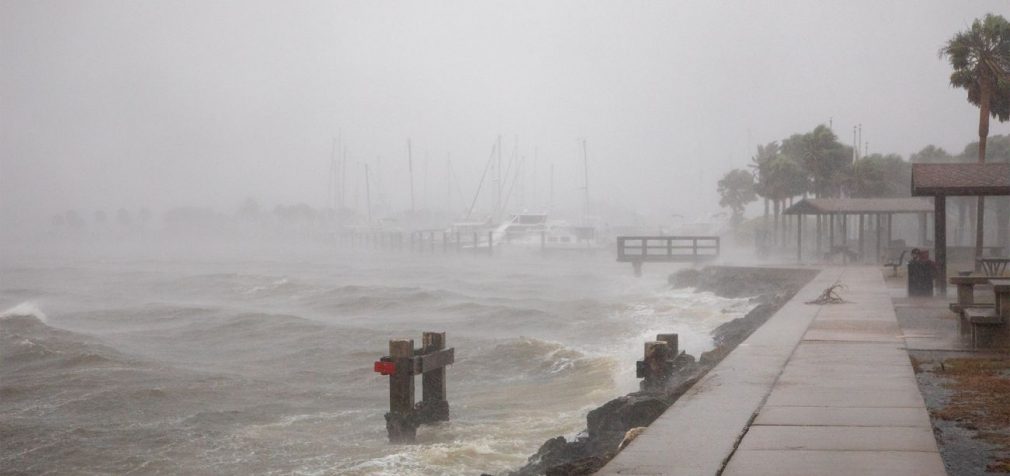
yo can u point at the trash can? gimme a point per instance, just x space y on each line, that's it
920 278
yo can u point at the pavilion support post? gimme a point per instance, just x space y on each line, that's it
799 238
820 230
890 223
862 243
831 232
845 229
940 242
880 237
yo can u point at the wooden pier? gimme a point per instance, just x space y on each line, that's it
419 241
666 249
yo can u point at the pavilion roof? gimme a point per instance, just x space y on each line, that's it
822 206
961 179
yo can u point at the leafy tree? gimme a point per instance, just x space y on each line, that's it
997 150
736 190
822 157
879 175
786 179
980 57
931 154
765 154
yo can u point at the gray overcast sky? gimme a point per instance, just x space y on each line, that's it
115 103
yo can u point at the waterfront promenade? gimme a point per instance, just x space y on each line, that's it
816 390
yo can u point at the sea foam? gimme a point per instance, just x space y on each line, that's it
24 309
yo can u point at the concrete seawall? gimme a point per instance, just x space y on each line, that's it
816 390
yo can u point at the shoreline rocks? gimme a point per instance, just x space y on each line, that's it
608 425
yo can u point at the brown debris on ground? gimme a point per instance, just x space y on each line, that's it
979 400
829 295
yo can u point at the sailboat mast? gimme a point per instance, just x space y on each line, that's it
343 178
448 183
585 165
550 203
331 179
368 195
498 175
410 169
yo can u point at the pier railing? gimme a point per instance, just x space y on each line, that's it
665 249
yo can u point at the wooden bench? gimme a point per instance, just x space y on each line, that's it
984 325
895 264
985 322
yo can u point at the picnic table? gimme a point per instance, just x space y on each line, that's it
982 321
993 266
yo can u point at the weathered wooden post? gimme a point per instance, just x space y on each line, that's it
401 365
660 359
434 406
672 342
490 243
400 422
653 367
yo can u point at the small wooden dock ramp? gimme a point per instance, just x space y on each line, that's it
666 249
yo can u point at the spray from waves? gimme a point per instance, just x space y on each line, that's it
26 308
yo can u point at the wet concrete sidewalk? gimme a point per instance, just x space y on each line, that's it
816 390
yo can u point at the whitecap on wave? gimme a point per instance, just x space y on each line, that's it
24 309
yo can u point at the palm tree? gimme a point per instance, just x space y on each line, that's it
980 57
736 190
760 163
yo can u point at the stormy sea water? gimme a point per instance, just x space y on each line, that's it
259 361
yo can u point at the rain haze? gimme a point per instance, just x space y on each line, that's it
109 104
214 216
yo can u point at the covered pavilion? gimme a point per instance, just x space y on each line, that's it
955 180
839 209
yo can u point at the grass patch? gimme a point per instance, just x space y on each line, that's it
980 400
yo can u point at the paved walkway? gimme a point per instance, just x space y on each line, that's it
816 390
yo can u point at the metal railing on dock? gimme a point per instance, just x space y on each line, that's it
666 249
419 241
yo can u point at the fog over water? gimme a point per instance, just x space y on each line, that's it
180 291
112 104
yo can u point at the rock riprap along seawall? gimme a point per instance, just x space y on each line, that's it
607 425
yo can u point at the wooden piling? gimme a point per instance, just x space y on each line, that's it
672 342
434 406
655 365
400 423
